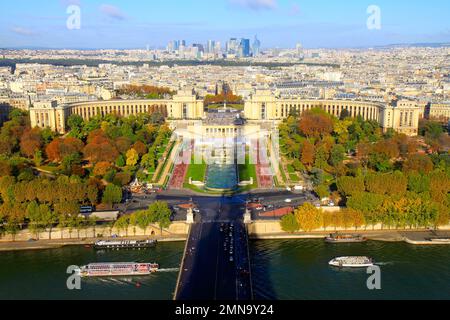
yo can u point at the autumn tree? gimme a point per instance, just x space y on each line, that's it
30 142
315 125
140 148
102 168
309 217
348 186
100 148
308 154
418 163
132 157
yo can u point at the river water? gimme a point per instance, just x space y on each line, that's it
298 269
42 274
285 269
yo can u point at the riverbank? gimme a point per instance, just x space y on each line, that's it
55 244
414 237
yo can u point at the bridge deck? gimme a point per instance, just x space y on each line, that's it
207 272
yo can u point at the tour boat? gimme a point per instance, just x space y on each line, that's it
352 262
126 244
118 269
345 238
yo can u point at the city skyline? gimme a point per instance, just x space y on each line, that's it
278 23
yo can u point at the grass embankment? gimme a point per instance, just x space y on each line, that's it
196 171
293 176
246 172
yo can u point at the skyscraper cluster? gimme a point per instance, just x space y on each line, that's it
234 47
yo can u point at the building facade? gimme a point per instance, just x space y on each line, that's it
402 117
439 111
263 105
184 105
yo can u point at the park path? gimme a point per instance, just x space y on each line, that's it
169 163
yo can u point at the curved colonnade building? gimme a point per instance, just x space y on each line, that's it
262 106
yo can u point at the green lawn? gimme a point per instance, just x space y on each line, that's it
196 171
283 175
294 177
247 171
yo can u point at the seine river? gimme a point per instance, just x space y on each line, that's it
288 269
298 269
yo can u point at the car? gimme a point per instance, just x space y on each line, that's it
231 259
288 200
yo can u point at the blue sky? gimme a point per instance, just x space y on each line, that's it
278 23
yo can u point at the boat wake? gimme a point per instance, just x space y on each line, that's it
169 270
384 263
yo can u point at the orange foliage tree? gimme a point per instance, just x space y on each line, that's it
30 142
315 125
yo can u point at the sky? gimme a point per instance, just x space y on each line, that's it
277 23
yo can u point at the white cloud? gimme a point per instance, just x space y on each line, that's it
255 4
23 31
112 12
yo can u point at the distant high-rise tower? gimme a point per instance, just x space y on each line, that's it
256 49
210 46
299 48
244 48
232 46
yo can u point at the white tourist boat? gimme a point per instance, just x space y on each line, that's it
352 262
118 269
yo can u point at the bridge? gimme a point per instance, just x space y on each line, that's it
207 272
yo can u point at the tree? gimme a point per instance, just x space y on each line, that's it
30 142
289 223
100 148
322 191
308 153
123 144
337 155
348 186
75 123
309 217
122 179
58 149
418 163
102 168
140 148
5 168
418 183
132 157
315 125
123 223
121 161
431 130
112 195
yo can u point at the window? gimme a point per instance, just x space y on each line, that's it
185 111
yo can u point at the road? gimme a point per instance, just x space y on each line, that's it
207 272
